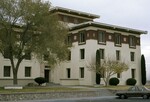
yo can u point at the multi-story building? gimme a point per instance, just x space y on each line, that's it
86 36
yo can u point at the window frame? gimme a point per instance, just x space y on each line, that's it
27 71
118 57
132 41
101 37
82 37
82 54
118 39
102 53
82 72
132 56
7 73
68 72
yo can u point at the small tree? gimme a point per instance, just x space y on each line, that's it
108 68
143 70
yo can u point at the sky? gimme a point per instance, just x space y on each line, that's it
127 13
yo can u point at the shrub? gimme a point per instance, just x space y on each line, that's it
131 81
114 81
40 80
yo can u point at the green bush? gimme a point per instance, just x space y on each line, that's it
131 81
40 80
114 81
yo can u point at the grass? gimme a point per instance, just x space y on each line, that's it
36 89
58 89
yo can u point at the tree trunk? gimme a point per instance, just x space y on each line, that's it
15 77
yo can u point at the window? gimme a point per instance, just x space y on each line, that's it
68 72
101 53
7 71
133 73
27 71
132 56
28 56
117 39
132 41
118 75
82 38
82 53
69 55
101 38
69 40
117 55
81 72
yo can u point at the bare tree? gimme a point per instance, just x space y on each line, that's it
108 68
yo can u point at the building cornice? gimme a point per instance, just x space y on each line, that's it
74 12
107 26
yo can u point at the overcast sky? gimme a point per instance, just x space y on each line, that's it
127 13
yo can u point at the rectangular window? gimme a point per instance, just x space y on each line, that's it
132 43
117 55
69 55
117 39
68 72
81 72
101 53
69 41
82 53
7 71
133 73
82 38
27 71
118 75
132 56
101 37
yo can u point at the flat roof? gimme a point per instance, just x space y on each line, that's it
74 12
107 26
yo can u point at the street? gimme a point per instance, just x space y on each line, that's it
92 99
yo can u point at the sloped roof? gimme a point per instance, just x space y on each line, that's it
107 26
74 12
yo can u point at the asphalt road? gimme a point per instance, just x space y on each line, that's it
92 99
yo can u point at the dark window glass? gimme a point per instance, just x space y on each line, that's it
117 55
133 73
81 72
7 71
132 55
68 72
82 53
27 71
132 41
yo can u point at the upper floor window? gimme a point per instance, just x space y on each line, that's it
7 71
6 53
118 39
69 55
82 38
69 40
101 37
117 55
82 53
101 53
132 56
132 42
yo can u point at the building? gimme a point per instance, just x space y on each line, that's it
86 36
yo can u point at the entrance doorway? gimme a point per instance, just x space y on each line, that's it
47 74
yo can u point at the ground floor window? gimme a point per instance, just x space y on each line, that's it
68 72
133 73
27 71
81 72
7 71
